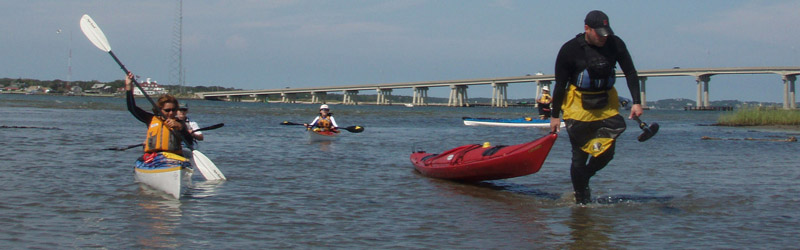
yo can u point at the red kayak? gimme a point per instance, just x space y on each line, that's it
477 163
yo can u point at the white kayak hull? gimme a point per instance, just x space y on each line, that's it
521 122
169 180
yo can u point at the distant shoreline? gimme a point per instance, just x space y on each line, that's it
781 128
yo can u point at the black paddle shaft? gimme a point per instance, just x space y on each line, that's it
122 66
642 125
215 126
157 110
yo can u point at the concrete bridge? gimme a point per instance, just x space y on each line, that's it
458 88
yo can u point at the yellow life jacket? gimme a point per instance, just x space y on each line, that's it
324 123
161 139
545 98
573 108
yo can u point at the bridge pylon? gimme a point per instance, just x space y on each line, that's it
458 96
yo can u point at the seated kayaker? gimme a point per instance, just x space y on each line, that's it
544 103
324 122
164 132
191 125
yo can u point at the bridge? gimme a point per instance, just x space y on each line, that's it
458 88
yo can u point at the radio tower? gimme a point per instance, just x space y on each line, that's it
176 67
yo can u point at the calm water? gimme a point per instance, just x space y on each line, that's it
59 190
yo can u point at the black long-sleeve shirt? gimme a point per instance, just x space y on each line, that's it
571 60
137 112
147 117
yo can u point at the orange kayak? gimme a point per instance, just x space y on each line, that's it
477 163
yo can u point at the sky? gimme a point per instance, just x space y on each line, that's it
270 44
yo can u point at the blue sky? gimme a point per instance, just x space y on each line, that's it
287 43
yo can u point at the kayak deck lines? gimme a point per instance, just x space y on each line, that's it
474 162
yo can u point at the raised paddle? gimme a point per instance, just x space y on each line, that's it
215 126
98 38
647 131
351 129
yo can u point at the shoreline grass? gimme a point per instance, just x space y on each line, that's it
761 116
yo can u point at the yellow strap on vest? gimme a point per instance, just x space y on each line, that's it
597 146
573 109
169 155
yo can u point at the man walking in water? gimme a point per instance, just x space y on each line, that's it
584 91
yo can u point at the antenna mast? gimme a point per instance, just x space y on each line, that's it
176 68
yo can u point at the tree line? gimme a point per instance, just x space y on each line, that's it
61 86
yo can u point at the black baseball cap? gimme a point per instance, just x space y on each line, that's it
184 107
598 21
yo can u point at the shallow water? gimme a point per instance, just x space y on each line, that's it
60 190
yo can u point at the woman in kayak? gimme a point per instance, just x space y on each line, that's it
164 132
544 104
325 121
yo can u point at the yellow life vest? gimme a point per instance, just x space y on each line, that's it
573 108
545 98
161 139
324 123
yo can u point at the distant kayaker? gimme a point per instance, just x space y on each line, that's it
584 91
544 103
164 131
325 121
191 125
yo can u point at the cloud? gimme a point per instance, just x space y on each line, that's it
765 23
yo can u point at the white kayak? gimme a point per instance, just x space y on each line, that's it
169 180
164 171
519 122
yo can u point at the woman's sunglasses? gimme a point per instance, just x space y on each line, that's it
324 109
168 110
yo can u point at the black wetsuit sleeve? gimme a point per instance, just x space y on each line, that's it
137 112
631 76
564 67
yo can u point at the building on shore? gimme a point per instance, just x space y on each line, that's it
151 88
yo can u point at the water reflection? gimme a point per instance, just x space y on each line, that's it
513 210
324 146
478 188
203 188
588 231
160 218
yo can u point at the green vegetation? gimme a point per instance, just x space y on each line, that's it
760 116
58 86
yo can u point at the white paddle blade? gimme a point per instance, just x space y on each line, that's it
206 166
94 33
